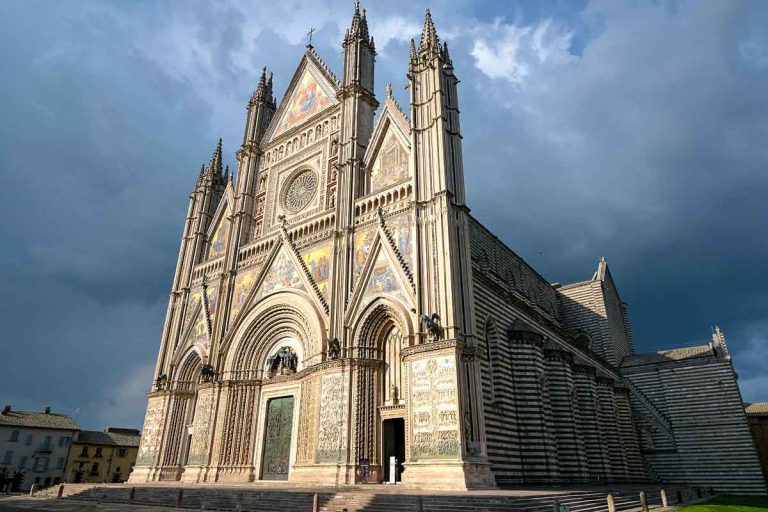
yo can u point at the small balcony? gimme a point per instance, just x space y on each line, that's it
45 448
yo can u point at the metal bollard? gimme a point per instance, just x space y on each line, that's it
664 502
611 503
61 491
643 502
698 492
179 498
131 494
315 503
239 503
679 496
32 491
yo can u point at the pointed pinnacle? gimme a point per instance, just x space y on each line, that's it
429 39
413 49
216 159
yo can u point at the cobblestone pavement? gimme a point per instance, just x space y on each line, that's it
24 503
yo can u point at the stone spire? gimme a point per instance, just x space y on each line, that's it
216 164
430 43
358 29
263 91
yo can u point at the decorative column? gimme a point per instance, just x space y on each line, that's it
533 410
628 436
571 453
609 429
585 404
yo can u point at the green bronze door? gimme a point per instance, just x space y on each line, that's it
277 439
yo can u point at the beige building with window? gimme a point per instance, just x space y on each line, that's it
105 456
336 307
34 446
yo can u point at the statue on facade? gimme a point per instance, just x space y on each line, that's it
334 349
160 382
432 324
283 362
207 372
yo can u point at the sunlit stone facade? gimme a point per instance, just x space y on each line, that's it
336 305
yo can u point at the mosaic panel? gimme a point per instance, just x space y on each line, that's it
401 228
363 244
307 100
435 407
244 283
318 262
332 428
391 164
383 279
282 274
220 235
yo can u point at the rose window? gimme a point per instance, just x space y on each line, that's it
300 191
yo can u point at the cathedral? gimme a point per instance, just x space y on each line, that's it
337 316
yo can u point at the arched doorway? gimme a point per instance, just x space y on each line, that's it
381 382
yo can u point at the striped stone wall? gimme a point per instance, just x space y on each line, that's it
696 389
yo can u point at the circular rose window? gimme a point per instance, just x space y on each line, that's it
300 191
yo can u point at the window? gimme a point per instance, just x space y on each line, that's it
22 462
48 441
41 464
56 481
28 440
60 463
98 451
37 480
14 436
84 453
8 457
121 452
95 468
82 465
64 441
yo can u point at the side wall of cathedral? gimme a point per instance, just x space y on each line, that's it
554 411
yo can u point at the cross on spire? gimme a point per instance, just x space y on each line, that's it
310 33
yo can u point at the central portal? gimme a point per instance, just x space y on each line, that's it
393 440
275 460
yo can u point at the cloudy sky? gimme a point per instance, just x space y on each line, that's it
632 130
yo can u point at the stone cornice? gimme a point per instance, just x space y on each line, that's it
412 351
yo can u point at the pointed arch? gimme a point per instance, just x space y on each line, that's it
187 370
286 315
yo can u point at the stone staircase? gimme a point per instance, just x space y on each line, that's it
369 499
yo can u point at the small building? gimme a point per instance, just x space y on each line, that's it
106 456
34 447
757 418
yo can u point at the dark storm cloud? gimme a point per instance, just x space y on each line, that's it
635 131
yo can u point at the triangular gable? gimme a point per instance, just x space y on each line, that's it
282 273
388 155
200 321
312 90
382 276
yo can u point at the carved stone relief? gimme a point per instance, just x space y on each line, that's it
150 434
307 421
435 409
332 427
201 427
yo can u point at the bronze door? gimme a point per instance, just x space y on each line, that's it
277 439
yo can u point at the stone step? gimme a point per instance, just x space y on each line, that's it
258 499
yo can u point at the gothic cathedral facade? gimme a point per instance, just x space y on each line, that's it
336 305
